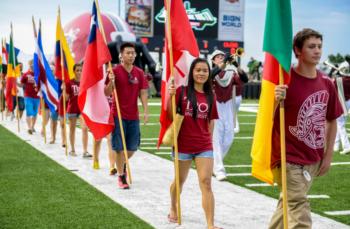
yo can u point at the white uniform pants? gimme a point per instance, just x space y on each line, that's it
342 136
238 104
223 135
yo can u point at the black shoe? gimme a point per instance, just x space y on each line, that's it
122 183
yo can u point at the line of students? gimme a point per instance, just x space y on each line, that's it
309 137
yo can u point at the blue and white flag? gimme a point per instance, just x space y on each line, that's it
44 77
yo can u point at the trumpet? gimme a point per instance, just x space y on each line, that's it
239 52
343 68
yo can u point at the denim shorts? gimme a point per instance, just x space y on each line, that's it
72 115
54 115
192 156
131 133
32 106
20 102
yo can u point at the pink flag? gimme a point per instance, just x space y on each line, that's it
185 50
92 101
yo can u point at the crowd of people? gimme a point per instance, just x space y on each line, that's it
210 102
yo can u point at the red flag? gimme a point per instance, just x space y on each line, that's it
185 50
92 102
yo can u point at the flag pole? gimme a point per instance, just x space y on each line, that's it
63 92
283 156
15 88
116 100
173 102
42 102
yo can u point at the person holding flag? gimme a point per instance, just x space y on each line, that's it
64 73
20 94
73 112
31 98
198 105
130 82
310 119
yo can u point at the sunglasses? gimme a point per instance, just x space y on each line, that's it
131 79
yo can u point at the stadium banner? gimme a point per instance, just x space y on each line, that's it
139 15
231 20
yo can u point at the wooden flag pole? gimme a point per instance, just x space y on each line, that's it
283 156
14 66
116 100
63 92
173 103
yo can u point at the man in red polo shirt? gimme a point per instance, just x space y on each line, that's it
130 83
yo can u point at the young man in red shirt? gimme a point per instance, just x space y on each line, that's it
311 107
31 98
130 83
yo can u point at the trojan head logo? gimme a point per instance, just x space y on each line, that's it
310 127
199 20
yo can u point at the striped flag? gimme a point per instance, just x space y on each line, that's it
68 61
44 76
278 47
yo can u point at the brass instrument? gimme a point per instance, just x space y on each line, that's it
239 52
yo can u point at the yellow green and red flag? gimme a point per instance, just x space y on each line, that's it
278 50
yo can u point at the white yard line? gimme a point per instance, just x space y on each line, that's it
259 185
341 163
318 197
239 174
244 138
149 139
148 198
148 143
346 212
163 153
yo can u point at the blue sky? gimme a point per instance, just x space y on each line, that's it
330 17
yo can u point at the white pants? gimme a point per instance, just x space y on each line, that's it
223 135
342 136
238 104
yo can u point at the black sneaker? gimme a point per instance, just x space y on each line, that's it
122 183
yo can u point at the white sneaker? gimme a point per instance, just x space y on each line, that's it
236 130
345 151
221 177
336 147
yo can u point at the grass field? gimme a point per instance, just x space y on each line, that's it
335 184
36 192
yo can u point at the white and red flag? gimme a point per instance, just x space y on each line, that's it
92 101
184 49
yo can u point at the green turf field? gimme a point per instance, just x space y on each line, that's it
36 192
335 184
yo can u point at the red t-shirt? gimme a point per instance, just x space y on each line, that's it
72 89
194 135
128 91
30 87
346 86
224 94
309 103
